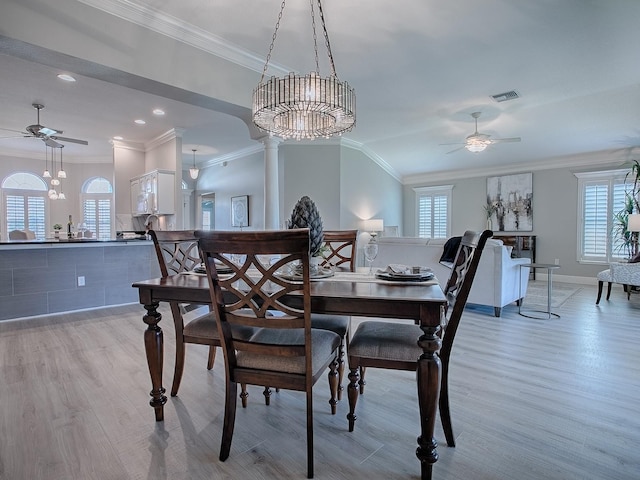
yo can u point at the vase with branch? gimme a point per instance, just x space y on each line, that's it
489 210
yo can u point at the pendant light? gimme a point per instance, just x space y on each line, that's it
61 172
54 181
193 171
46 173
304 106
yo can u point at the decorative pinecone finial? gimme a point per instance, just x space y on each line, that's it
305 215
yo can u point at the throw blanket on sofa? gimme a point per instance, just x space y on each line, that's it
449 251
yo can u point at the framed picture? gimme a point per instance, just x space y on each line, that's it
240 211
510 202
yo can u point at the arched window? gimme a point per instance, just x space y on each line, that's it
97 208
24 203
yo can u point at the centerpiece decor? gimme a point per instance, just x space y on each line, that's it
56 230
306 215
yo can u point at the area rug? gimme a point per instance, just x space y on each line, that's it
561 292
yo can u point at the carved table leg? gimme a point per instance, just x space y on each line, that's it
153 345
428 377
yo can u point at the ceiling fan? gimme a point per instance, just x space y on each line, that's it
50 136
477 142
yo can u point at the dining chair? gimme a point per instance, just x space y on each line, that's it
394 345
340 255
177 252
284 352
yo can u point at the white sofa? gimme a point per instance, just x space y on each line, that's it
499 280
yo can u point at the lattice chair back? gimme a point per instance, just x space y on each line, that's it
341 249
177 250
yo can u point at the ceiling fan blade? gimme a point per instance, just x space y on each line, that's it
52 143
506 140
455 150
456 143
12 136
71 140
14 131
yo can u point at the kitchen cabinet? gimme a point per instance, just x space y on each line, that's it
153 192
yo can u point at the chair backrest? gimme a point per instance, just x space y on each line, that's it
341 246
460 281
177 250
21 235
271 264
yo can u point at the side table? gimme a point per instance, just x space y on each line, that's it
549 267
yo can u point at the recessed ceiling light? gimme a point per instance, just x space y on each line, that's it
140 121
118 137
158 111
66 77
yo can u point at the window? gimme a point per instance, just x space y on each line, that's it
97 205
601 197
24 203
433 215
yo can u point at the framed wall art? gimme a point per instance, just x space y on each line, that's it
240 211
510 202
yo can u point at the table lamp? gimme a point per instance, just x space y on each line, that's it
633 225
374 225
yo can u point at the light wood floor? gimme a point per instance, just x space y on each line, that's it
531 400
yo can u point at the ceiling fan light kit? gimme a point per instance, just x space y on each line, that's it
477 142
304 107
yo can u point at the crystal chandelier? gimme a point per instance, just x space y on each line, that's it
304 107
193 171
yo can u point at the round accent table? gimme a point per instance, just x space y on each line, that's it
549 267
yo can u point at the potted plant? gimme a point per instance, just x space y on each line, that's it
306 215
56 230
627 240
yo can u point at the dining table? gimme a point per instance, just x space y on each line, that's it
344 293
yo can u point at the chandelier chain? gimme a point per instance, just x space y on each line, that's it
326 40
273 41
315 37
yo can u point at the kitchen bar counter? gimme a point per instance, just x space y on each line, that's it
70 241
52 276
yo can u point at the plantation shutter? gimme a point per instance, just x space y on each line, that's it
26 212
432 208
596 220
96 213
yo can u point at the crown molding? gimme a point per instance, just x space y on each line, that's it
605 158
165 137
229 157
180 31
373 156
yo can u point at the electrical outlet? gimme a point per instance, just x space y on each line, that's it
557 261
81 281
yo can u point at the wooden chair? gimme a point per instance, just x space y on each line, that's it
341 255
342 246
394 345
280 352
177 252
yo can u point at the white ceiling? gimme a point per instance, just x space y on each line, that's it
419 68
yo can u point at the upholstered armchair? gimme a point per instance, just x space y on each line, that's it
627 274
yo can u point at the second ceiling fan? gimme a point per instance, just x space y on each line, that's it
50 136
478 142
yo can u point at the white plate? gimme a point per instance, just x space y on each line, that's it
323 273
413 277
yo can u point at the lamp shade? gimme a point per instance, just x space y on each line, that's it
373 225
634 222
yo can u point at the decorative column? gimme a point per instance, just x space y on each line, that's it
271 184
